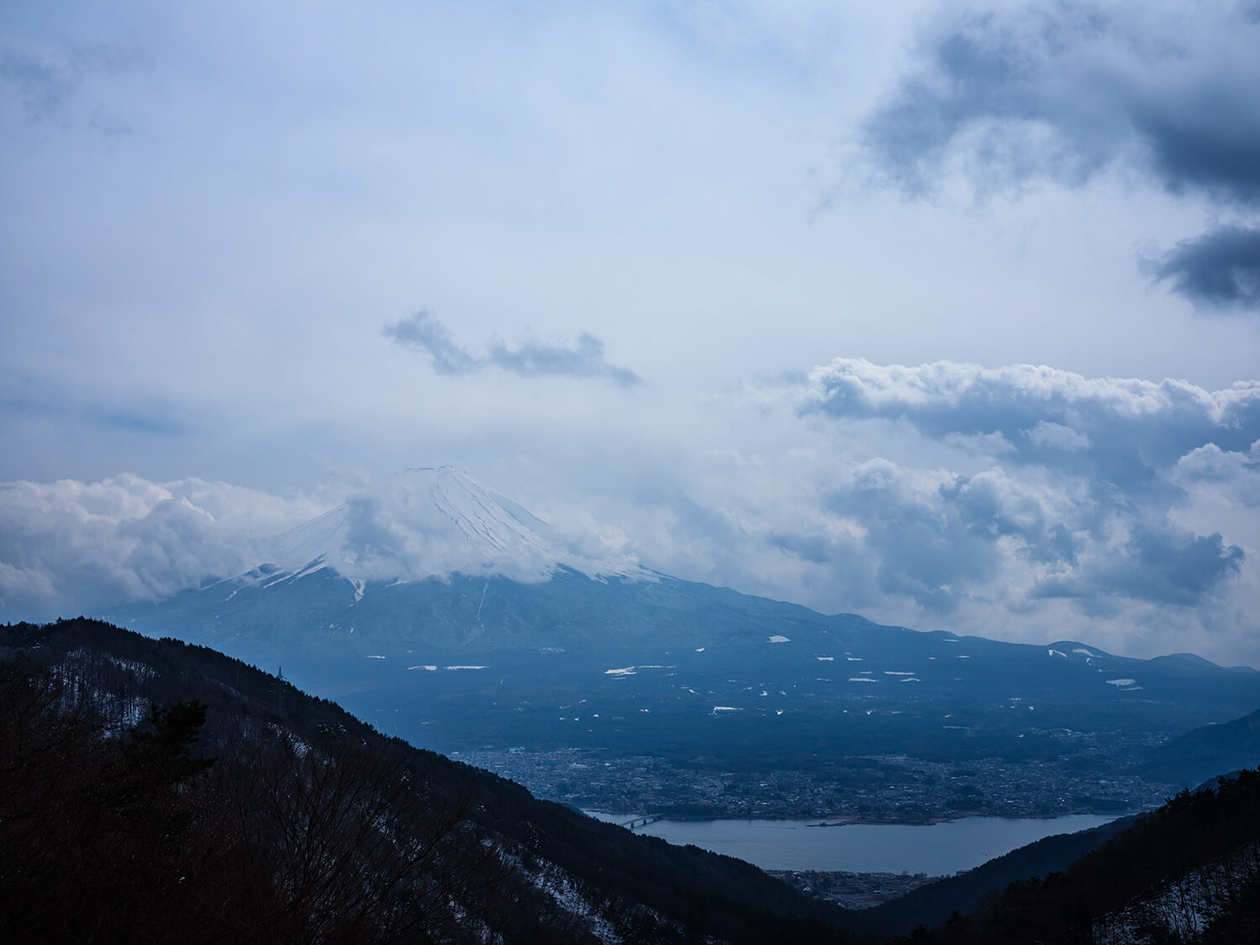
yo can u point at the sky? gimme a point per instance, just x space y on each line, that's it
947 314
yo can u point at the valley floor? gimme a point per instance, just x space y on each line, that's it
853 890
882 789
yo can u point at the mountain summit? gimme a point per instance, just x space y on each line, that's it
428 522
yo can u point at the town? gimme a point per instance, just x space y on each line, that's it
880 789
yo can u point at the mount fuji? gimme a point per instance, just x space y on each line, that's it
433 522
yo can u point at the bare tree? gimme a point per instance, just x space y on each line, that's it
352 845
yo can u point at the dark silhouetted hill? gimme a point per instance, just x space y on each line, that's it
243 810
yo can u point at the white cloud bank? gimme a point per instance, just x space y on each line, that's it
67 547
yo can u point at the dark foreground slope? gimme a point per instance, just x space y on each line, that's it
1187 873
247 811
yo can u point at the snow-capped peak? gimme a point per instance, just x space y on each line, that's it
432 521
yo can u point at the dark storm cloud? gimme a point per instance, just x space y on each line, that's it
424 333
1218 270
1159 564
1064 89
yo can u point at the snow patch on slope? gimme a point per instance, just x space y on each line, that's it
1183 909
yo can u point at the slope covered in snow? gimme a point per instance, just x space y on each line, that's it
434 522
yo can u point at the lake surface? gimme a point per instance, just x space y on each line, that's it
935 849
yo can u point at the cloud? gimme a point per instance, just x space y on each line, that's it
43 85
926 548
1158 564
586 359
68 547
29 395
424 523
424 333
1219 270
1238 473
1063 90
47 81
1122 431
1024 484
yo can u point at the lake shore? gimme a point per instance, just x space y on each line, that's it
938 848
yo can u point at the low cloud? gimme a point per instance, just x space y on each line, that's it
1063 90
1162 565
1218 271
69 547
423 333
1122 431
1088 491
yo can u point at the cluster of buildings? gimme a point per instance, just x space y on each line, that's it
886 788
853 890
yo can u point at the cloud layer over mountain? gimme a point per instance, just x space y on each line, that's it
68 547
1019 502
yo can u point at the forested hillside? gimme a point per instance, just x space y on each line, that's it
152 791
1186 873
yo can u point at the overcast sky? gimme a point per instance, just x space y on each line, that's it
946 314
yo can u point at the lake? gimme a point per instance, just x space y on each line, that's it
935 849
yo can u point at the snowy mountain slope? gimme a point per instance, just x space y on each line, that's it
433 522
